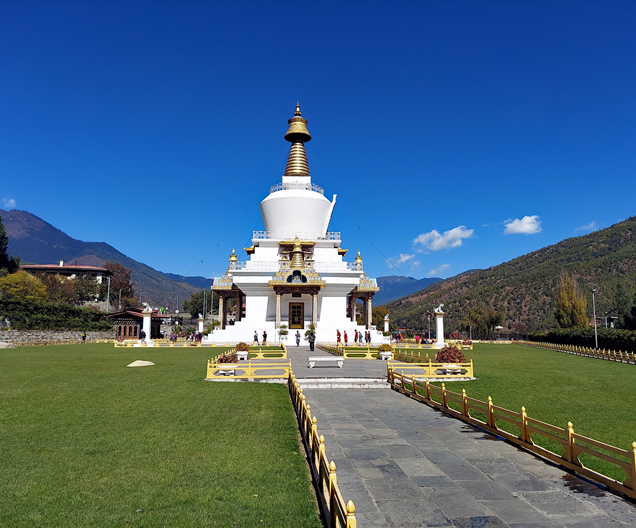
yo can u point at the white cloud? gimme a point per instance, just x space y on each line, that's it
528 225
589 227
415 265
396 261
9 203
438 270
449 239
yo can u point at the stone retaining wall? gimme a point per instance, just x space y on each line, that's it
20 336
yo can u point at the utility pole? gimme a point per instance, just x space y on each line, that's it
594 309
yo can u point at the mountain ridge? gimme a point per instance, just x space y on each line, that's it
36 241
525 286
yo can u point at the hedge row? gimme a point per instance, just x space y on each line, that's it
608 338
51 316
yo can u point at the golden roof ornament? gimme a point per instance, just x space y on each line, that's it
297 135
358 265
297 260
233 257
233 262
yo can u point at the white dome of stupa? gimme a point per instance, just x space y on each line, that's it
296 207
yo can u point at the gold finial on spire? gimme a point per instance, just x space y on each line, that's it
358 258
297 135
233 257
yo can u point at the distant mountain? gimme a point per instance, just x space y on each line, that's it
525 287
197 281
38 242
393 287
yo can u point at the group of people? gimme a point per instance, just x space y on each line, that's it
311 337
357 337
264 338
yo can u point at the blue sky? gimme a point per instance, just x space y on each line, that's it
456 134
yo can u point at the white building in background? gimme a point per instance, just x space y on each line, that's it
295 275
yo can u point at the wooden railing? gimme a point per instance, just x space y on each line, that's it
597 353
336 512
433 370
573 444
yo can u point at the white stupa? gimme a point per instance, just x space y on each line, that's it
295 275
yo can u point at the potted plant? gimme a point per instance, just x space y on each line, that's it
450 356
282 332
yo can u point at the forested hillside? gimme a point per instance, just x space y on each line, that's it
525 287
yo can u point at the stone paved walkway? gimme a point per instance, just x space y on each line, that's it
405 464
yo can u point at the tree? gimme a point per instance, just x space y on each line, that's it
622 304
87 288
121 286
7 264
195 305
570 307
59 289
22 286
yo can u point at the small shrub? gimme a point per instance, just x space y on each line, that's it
450 354
385 348
228 358
467 342
242 347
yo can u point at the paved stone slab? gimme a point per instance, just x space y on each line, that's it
405 464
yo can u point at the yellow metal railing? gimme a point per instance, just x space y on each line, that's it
359 353
410 343
337 513
61 342
610 355
573 444
248 370
434 370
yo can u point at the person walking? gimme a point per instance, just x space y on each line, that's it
355 337
83 337
346 338
265 338
255 337
312 340
297 338
338 337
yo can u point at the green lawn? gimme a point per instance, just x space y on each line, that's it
596 396
86 441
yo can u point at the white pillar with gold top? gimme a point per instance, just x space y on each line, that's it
277 310
314 310
369 314
147 325
439 327
201 324
221 310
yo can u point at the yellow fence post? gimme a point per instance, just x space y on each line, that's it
524 425
444 402
631 481
464 404
351 517
491 414
569 448
428 390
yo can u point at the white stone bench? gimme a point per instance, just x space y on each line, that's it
227 369
324 360
242 356
449 370
386 355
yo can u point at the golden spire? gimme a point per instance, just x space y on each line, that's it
297 135
358 258
297 260
233 257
